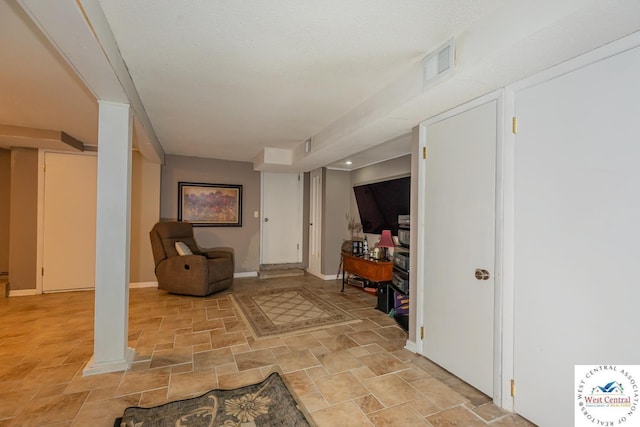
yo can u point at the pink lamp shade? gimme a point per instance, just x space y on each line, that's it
385 240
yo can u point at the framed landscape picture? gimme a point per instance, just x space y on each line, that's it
210 205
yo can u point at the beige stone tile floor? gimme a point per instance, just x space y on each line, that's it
350 375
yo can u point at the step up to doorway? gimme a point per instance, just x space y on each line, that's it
268 271
289 272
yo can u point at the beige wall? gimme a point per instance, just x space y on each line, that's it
145 212
23 239
335 206
246 239
5 181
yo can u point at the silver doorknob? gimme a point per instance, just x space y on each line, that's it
482 274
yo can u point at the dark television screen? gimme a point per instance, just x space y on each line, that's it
380 204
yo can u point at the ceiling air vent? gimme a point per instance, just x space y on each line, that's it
439 62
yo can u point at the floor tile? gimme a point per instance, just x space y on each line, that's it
104 412
207 360
358 374
171 357
138 381
300 383
296 360
339 361
63 407
368 404
391 390
254 359
340 387
227 340
239 379
439 393
191 384
347 414
381 364
402 415
458 415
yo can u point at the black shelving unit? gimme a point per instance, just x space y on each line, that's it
400 282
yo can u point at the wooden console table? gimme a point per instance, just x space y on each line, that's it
373 270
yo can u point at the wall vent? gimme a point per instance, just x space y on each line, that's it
439 62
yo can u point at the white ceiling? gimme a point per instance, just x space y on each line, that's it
225 78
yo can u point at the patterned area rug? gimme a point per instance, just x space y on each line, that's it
288 310
269 403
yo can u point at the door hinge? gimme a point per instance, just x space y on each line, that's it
424 152
42 272
513 388
44 167
514 125
421 332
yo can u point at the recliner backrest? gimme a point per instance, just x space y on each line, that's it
164 235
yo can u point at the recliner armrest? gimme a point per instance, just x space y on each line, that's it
221 252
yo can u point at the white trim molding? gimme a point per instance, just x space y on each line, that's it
22 292
138 285
245 274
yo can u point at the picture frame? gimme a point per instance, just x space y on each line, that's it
210 205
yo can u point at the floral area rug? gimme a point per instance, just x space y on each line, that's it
268 403
288 310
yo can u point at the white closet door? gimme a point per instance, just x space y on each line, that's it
459 238
281 218
576 232
69 229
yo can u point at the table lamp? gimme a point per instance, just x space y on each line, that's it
386 241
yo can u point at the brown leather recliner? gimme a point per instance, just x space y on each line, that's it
203 273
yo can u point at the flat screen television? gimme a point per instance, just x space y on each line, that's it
380 203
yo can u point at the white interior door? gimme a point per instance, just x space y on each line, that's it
315 222
576 234
69 227
281 218
460 238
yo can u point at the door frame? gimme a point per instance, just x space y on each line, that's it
315 222
503 276
299 217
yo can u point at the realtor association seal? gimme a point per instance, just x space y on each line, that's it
606 395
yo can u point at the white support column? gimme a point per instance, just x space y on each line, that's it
110 351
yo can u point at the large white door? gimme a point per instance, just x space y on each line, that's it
281 218
69 227
315 223
577 230
459 238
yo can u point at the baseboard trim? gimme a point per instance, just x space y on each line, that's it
323 276
137 285
93 368
22 292
246 274
411 346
